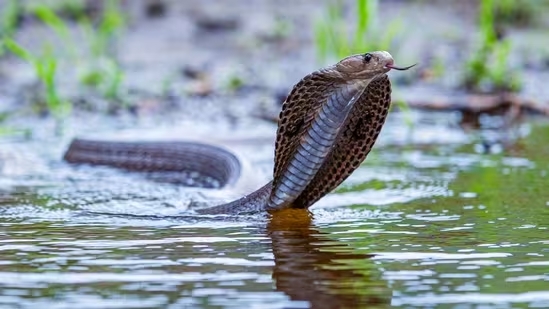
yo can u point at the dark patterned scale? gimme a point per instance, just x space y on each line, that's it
352 145
355 142
298 110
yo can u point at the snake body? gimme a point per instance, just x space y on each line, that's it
328 125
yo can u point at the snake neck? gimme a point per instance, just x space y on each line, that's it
320 142
325 123
314 144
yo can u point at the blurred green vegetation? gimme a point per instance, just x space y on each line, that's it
94 62
338 36
520 13
8 22
104 72
488 68
45 67
88 37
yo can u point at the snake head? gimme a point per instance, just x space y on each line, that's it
366 67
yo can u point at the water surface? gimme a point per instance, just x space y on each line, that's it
435 218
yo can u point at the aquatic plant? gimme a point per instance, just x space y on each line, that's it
335 39
45 67
488 67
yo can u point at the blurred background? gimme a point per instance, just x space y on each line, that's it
61 58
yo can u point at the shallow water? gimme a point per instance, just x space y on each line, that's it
435 218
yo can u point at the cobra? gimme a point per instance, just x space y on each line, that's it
328 124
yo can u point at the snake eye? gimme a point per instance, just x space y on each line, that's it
367 57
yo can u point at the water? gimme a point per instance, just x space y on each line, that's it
436 218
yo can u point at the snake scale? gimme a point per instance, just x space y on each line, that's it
328 124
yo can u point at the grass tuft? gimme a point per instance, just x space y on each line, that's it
45 68
101 70
9 20
104 72
488 70
335 39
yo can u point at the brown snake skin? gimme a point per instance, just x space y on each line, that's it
328 124
362 128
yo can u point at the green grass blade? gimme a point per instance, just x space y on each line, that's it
18 50
487 22
48 16
386 41
8 21
113 19
321 40
362 16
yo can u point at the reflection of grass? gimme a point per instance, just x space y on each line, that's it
505 210
488 66
332 32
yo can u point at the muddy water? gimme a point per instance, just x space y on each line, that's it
436 218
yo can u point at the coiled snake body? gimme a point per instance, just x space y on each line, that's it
328 125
